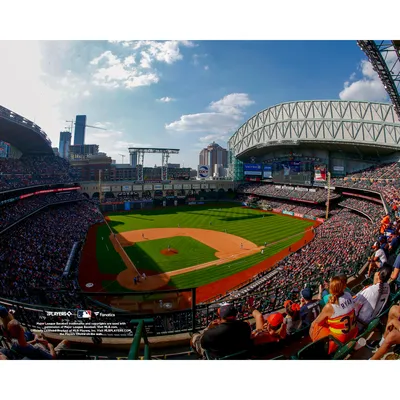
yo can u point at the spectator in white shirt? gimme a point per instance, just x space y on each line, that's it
377 260
371 300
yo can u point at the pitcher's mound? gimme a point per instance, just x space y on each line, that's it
169 252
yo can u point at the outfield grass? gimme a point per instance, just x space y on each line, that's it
253 225
147 255
214 273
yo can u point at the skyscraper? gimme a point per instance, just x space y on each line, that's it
65 142
80 128
213 154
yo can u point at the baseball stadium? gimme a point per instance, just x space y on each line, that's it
151 260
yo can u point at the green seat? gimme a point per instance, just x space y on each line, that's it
318 350
345 350
371 327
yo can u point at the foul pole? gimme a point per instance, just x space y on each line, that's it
329 195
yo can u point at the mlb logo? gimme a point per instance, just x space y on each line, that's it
84 314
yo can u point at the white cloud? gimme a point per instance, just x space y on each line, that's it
368 88
225 116
113 71
206 67
166 99
23 89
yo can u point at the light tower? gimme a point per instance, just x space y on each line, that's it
139 152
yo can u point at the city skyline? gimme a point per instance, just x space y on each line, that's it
179 94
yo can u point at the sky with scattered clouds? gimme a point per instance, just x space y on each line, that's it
179 94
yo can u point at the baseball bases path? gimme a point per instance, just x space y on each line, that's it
228 247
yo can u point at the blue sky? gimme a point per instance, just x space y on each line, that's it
179 94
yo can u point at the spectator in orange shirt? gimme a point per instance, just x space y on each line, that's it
273 329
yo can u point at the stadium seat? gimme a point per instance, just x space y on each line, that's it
371 327
318 350
345 350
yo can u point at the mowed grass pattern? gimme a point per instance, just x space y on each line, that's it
217 272
253 225
147 255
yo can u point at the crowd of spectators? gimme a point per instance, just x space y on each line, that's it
347 236
34 170
384 179
34 253
289 192
314 211
12 212
332 312
373 210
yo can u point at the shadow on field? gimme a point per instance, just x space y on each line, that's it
136 216
245 217
176 210
141 259
113 223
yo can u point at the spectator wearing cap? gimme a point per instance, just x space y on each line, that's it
310 308
292 320
337 318
377 260
224 336
269 330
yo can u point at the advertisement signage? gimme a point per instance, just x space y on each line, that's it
213 186
196 186
126 188
106 188
158 187
187 186
267 171
147 187
178 187
288 212
252 169
320 173
116 188
137 188
204 185
203 171
338 168
167 187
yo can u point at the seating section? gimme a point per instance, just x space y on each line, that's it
373 210
34 170
289 192
13 212
35 252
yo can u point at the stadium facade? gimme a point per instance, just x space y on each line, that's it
295 142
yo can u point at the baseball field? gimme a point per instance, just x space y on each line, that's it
213 247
